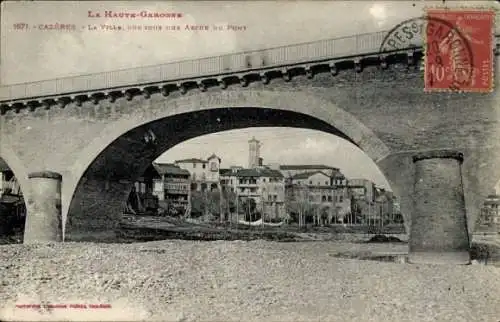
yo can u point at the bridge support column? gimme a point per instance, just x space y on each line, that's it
43 221
438 233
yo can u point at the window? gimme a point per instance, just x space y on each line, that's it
323 198
341 199
158 186
329 198
194 165
326 183
203 166
310 182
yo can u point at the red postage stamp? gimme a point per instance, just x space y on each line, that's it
459 50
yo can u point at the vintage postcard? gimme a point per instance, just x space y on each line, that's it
249 161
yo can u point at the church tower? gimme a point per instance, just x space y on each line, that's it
254 153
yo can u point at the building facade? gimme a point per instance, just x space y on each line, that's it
322 197
362 189
265 186
336 177
489 218
373 205
173 188
204 174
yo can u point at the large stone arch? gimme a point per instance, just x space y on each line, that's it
151 111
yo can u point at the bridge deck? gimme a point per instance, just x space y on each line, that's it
357 46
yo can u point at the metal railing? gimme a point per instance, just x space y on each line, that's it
349 46
202 67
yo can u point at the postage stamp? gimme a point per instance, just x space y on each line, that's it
460 58
458 48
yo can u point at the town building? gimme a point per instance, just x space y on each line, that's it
324 199
372 205
384 207
11 194
173 188
142 199
204 173
265 186
489 215
228 178
336 177
9 184
362 189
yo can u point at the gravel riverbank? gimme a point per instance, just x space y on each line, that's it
230 281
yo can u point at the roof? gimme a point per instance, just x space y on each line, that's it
169 168
225 172
213 156
491 202
3 166
191 160
306 167
306 175
259 173
338 174
10 199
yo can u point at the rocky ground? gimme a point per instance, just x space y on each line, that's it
239 280
318 276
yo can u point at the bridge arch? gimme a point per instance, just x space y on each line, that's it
120 154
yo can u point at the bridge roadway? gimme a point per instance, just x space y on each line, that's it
306 57
76 164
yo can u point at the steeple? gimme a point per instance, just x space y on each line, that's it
253 153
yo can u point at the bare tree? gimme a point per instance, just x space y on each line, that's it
298 202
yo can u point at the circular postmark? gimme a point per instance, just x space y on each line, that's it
447 53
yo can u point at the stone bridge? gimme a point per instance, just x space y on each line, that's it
90 130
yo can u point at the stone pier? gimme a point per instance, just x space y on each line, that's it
43 220
438 233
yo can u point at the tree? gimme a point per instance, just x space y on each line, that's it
249 207
228 203
298 203
197 203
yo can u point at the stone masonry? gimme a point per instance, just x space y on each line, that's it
99 148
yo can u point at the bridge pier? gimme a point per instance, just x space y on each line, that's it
43 220
438 233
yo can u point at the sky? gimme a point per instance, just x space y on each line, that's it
34 54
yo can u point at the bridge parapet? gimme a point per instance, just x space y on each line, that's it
243 62
357 50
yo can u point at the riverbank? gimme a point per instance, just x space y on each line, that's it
240 280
